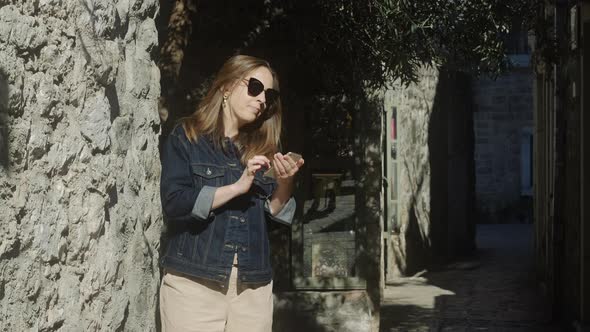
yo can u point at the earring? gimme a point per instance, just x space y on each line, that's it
224 101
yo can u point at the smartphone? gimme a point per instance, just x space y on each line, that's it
271 172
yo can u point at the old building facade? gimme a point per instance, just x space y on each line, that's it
503 127
561 164
428 164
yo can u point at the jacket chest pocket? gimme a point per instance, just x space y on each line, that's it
208 175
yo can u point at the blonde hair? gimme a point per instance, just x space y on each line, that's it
260 137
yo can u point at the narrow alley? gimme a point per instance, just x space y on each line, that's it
494 292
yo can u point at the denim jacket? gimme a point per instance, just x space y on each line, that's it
202 241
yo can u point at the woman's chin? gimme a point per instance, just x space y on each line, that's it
247 120
253 116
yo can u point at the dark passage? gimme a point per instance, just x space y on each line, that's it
494 292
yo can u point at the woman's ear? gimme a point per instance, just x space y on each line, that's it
228 88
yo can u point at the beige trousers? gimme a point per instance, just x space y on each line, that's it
190 304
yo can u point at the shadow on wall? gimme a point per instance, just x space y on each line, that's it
439 181
424 240
3 121
452 185
450 229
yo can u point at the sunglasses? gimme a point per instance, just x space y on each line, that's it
255 88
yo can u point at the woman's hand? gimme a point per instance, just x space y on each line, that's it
285 167
285 170
252 166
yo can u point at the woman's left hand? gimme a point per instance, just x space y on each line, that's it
285 167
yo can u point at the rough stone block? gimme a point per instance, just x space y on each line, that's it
57 58
498 99
95 121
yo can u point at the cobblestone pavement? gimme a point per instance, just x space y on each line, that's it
495 293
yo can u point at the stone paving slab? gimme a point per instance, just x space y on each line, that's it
495 292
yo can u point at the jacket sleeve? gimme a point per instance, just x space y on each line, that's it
180 196
285 216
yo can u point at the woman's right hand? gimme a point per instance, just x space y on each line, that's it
252 166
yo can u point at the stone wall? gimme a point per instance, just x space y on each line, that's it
504 109
414 103
80 216
435 171
561 164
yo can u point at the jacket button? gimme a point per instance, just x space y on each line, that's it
242 220
244 248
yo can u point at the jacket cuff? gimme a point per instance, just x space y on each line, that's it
204 202
285 216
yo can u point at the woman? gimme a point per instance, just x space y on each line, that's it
217 200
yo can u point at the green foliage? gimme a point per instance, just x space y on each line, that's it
339 48
372 41
546 49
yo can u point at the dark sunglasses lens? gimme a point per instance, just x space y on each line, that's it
255 87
